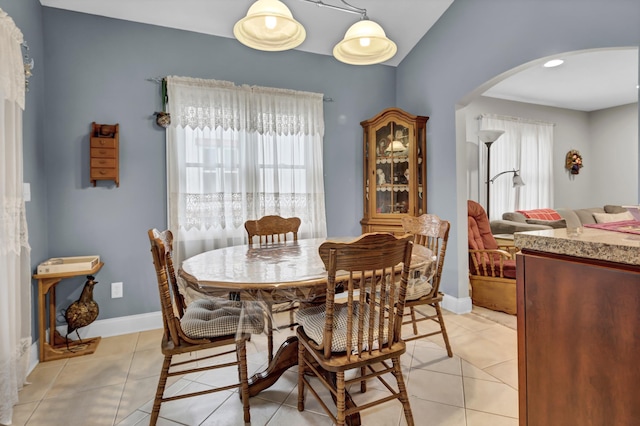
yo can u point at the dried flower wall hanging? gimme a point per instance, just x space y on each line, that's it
573 162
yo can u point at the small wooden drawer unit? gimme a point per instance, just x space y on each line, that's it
105 153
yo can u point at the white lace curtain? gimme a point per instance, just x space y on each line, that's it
15 277
526 145
237 153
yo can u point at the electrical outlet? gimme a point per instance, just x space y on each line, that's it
116 290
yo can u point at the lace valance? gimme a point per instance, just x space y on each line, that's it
12 83
200 103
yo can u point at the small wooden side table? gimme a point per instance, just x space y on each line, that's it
56 347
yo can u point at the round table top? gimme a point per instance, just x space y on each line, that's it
271 266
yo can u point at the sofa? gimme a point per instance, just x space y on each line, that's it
546 219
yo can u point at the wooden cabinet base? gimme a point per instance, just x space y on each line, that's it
578 341
63 349
497 294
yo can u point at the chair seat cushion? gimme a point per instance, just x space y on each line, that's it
313 319
509 270
205 318
419 283
418 287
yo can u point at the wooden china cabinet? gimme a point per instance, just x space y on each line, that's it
395 169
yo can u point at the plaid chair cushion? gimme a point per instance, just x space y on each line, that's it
419 283
313 319
206 318
418 287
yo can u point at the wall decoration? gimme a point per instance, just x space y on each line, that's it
573 162
163 119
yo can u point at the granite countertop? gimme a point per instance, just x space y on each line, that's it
591 244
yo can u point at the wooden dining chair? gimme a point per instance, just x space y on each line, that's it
273 229
203 324
433 233
364 332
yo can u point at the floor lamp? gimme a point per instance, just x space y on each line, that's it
517 182
489 137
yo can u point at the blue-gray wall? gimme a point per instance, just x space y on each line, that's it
96 69
473 42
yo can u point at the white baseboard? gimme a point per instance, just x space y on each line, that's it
34 357
118 326
456 305
106 328
153 320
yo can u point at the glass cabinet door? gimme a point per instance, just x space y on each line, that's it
392 169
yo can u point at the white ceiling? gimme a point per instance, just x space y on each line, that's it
586 82
404 21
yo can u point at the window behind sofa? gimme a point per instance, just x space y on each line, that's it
526 145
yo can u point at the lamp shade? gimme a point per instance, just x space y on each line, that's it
517 180
395 146
269 26
489 136
365 43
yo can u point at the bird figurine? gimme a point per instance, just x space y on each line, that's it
83 311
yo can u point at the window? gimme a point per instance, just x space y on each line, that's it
237 153
527 146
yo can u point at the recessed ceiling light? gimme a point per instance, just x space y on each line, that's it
553 63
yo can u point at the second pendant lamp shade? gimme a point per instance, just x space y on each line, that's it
365 43
269 26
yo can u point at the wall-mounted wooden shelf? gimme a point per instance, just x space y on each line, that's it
105 153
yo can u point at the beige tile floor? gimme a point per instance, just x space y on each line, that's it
116 385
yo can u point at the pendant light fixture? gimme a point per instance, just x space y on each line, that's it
365 43
269 25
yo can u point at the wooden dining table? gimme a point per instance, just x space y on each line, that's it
291 270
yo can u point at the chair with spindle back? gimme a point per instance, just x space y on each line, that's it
492 268
268 230
272 228
433 233
362 333
203 324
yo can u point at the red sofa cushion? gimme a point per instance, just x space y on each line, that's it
543 214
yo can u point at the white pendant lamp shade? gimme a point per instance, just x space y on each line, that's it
365 43
269 25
